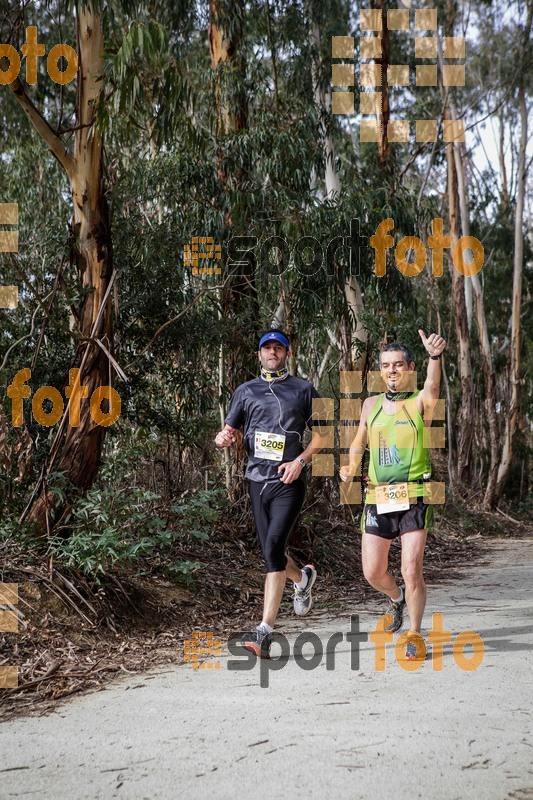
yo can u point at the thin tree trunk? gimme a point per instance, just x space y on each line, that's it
354 299
240 302
383 143
460 168
323 364
289 323
451 11
476 293
351 328
464 427
503 168
463 422
221 402
515 378
323 103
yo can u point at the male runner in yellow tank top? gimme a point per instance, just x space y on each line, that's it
392 424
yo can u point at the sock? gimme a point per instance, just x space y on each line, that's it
400 599
265 626
304 581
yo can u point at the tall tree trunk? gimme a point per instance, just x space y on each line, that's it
515 378
239 300
359 334
79 457
225 39
463 422
460 167
476 293
222 410
503 168
323 103
383 142
351 329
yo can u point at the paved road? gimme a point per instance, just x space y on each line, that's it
357 733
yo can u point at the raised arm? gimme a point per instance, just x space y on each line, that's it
435 346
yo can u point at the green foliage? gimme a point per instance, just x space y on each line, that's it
196 514
106 530
109 529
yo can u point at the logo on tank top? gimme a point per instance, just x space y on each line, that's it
388 455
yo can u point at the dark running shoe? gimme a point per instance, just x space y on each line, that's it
396 609
259 641
303 599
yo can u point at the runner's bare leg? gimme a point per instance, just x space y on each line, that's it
274 587
294 573
413 544
375 558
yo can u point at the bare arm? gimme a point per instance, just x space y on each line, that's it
429 395
358 445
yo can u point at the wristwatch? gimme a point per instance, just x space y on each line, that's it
301 460
435 358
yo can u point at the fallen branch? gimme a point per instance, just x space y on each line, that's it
516 521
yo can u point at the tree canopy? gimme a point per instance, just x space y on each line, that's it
214 121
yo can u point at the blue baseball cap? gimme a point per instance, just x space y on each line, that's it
274 336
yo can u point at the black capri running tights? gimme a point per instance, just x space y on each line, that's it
275 507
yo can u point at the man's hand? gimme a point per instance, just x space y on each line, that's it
433 343
225 437
346 473
291 471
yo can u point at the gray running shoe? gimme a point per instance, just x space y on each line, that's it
259 641
303 599
396 609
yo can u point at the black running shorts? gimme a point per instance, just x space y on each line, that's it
418 517
275 507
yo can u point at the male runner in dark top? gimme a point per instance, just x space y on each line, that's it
393 424
274 411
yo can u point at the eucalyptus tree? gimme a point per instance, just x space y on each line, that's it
74 135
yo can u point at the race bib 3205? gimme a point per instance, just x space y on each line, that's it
269 445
